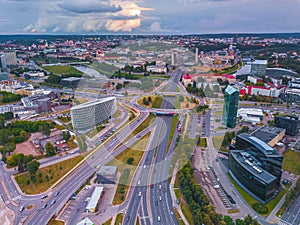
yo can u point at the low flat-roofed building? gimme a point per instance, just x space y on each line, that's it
93 202
246 170
270 135
85 221
251 115
107 174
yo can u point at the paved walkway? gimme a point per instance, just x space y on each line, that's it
174 195
7 216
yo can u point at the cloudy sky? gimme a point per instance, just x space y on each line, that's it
149 16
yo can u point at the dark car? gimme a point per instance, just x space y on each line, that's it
57 193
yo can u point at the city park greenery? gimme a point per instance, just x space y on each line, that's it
18 132
8 97
291 196
46 176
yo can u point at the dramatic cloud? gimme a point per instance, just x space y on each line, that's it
149 16
122 25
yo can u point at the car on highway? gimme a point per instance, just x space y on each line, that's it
151 185
44 196
53 202
128 219
21 208
158 218
57 193
44 206
140 194
160 198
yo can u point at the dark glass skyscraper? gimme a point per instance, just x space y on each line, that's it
230 108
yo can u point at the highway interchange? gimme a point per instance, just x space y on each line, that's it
149 195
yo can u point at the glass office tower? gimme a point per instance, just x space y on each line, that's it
230 108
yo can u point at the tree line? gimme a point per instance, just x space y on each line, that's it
18 132
203 212
7 97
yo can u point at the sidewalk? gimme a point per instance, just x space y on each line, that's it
173 195
7 216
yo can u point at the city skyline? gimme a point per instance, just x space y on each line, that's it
148 17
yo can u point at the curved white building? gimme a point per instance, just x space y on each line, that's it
88 115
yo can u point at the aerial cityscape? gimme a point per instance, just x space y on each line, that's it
149 112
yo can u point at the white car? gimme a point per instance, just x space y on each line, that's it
140 194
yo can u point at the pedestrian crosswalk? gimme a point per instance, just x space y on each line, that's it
282 222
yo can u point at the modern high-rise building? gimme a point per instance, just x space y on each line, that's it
230 108
87 116
9 58
259 67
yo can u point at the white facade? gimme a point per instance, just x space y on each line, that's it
88 115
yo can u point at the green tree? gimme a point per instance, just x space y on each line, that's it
32 167
66 135
50 151
130 160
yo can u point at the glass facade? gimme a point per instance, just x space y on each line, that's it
88 115
259 67
270 159
291 124
230 108
259 183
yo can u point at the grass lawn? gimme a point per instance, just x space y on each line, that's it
119 219
146 123
186 103
178 217
105 68
217 141
117 114
250 200
136 152
156 101
137 221
291 161
173 127
108 222
56 222
202 143
45 177
65 71
218 113
184 207
141 144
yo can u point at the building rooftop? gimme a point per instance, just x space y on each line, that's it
230 90
260 62
250 111
91 103
94 198
267 133
252 165
261 145
107 171
72 79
